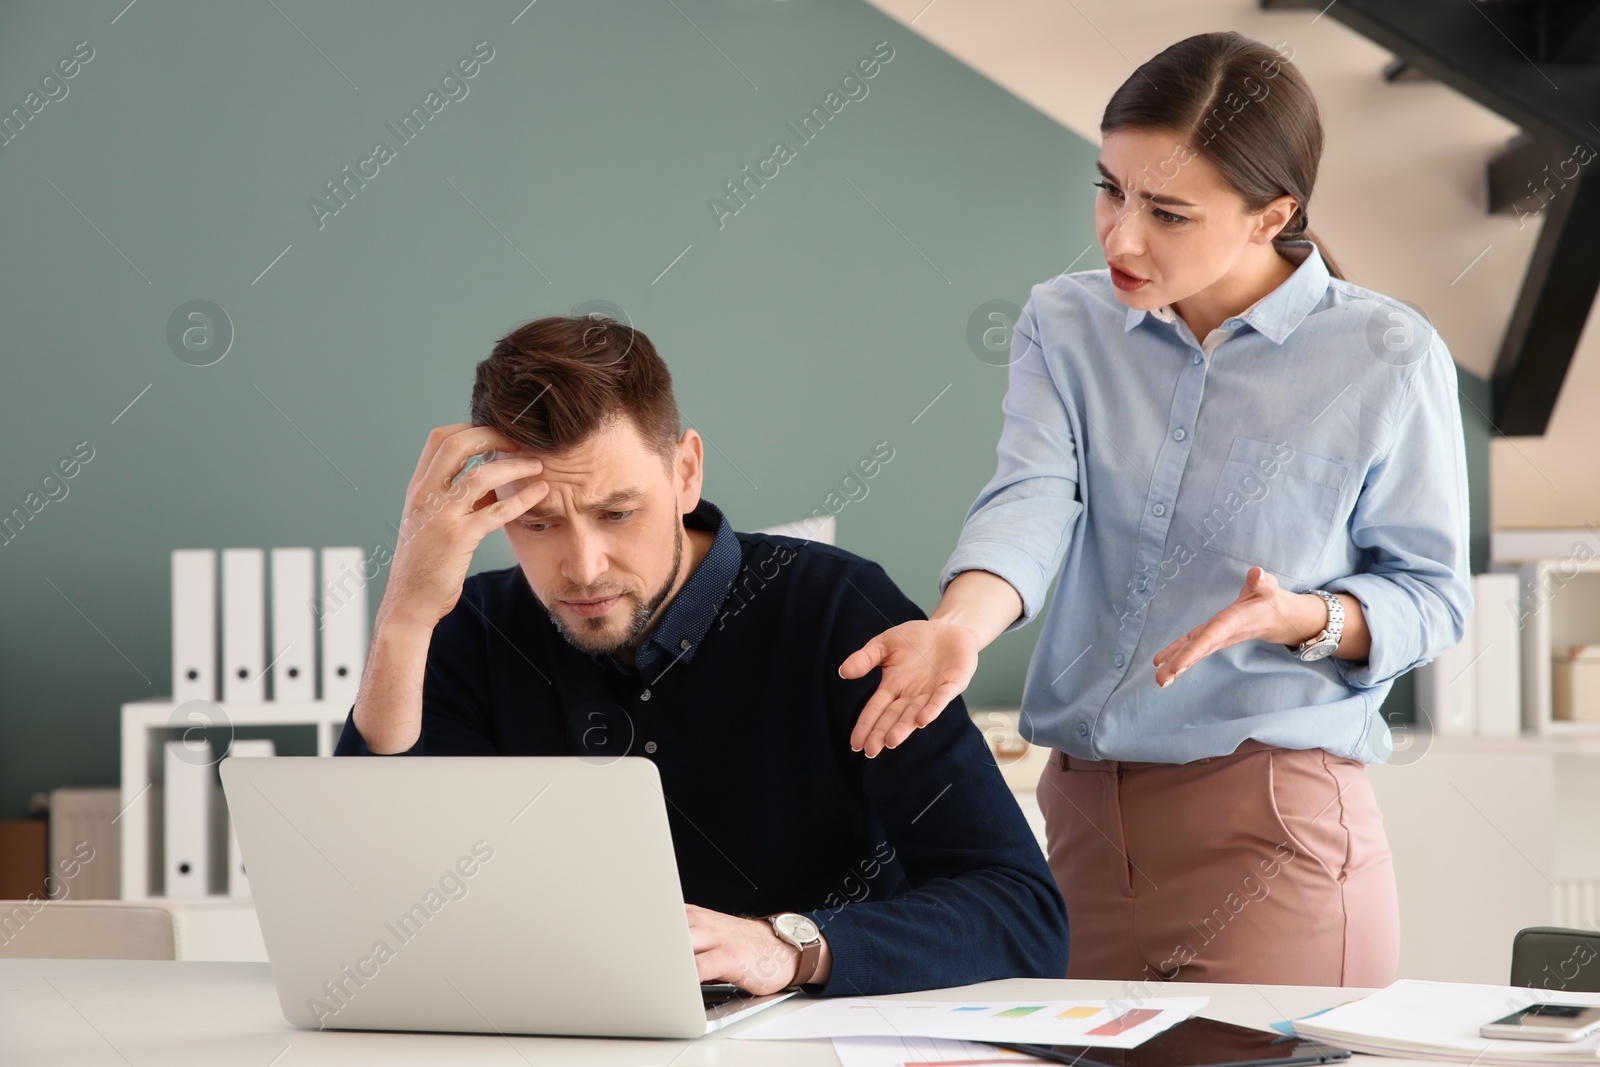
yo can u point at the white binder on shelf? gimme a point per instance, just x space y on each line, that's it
293 625
194 624
824 528
186 817
238 883
1499 641
342 621
1447 688
244 624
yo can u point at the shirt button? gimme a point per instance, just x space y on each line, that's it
1198 357
1179 434
1119 659
684 644
1140 585
650 746
1160 509
645 695
1083 728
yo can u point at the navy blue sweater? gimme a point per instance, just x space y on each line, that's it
917 865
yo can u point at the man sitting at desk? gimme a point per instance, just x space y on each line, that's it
637 622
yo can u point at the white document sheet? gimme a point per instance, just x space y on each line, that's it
1098 1023
917 1051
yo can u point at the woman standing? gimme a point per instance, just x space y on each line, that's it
1246 473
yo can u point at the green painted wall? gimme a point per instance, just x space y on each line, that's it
179 165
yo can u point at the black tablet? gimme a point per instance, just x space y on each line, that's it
1196 1042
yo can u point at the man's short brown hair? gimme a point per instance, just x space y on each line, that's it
551 383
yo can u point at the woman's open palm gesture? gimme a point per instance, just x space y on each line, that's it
925 666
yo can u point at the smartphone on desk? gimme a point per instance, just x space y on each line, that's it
1546 1022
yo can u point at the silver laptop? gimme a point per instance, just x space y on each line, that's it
527 895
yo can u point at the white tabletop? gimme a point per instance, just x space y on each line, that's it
134 1012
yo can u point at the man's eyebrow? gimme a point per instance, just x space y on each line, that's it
615 502
1155 198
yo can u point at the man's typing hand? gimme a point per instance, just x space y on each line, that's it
745 952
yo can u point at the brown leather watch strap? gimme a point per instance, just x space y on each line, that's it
810 954
810 957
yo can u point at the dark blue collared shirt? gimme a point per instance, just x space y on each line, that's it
917 865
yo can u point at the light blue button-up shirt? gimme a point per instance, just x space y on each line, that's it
1317 435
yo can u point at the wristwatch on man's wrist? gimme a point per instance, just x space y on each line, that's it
1321 645
803 934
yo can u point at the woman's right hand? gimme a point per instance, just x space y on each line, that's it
925 665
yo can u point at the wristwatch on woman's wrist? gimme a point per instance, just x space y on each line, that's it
803 934
1321 645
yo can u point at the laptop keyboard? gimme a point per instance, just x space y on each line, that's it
716 994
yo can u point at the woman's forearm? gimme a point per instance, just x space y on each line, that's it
982 601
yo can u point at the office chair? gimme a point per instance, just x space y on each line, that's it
1553 957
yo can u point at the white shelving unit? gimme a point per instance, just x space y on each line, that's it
1561 606
146 724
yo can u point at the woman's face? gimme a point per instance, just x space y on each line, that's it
1168 225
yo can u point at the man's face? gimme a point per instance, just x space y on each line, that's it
603 550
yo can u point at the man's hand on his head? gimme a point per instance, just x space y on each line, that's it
450 506
448 510
746 952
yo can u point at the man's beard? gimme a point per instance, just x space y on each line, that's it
587 637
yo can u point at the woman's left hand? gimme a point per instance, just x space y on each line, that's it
1262 611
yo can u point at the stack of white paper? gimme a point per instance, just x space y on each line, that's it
1099 1023
1440 1020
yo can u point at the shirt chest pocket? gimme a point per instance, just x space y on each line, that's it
1274 506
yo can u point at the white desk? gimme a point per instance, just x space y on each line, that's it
122 1012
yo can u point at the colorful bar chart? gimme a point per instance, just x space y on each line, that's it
1082 1011
1125 1022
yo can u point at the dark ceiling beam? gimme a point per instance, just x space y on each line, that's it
1518 176
1557 292
1461 44
1458 43
1578 39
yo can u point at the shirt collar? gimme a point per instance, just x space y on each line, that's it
689 614
1275 315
